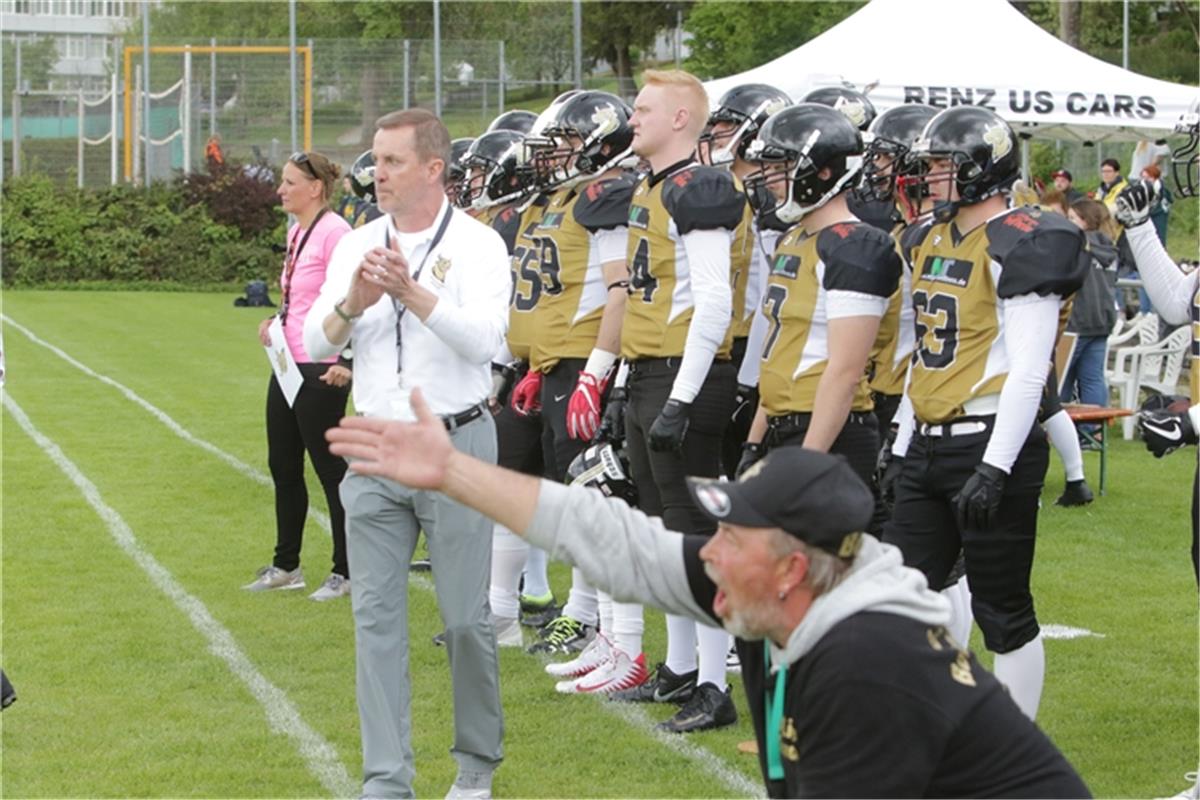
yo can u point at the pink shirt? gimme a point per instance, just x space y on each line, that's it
307 277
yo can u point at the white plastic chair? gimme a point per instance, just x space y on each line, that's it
1155 367
1140 331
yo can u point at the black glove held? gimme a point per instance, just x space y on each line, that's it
977 504
1165 433
752 453
667 432
612 421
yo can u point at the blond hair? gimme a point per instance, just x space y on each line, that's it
693 96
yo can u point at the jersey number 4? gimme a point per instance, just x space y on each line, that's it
937 328
640 278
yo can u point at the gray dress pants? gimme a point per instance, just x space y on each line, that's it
383 520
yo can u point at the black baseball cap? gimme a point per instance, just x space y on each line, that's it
814 496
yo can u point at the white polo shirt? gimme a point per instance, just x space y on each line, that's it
449 354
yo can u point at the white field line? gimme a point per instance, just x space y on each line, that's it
634 717
282 716
250 472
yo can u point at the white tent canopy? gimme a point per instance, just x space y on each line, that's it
1008 63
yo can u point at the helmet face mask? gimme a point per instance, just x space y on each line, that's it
601 466
735 123
808 154
1185 159
590 134
456 174
362 177
493 171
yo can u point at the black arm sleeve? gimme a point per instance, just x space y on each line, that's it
703 198
859 258
604 204
1037 254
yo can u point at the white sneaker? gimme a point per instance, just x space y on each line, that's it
616 674
596 653
274 578
471 786
334 586
508 632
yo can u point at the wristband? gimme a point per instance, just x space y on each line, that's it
337 309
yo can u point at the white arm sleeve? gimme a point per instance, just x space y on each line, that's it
752 361
1170 289
611 243
841 303
1030 327
708 259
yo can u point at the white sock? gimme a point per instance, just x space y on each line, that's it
536 584
604 604
627 627
714 647
961 618
1023 671
508 557
681 644
1065 439
581 602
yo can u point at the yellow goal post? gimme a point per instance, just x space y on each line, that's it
133 50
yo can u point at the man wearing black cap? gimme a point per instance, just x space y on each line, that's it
1062 182
853 684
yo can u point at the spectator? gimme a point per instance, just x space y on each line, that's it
299 426
1094 311
1161 210
1111 183
1063 182
1056 200
213 155
1147 154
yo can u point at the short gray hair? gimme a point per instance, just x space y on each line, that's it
825 570
431 139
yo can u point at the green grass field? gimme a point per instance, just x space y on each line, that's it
148 683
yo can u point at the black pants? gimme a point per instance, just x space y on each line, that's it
290 432
858 443
519 441
741 418
885 408
662 490
558 449
999 560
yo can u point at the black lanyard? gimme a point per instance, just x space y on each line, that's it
400 309
289 266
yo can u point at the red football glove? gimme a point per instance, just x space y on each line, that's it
583 409
527 394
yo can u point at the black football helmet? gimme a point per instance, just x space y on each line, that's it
854 104
805 139
455 172
517 120
491 166
1185 159
889 139
362 177
537 143
600 121
746 107
982 149
603 467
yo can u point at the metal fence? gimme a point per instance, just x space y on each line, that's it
233 91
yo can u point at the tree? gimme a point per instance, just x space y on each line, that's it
1069 19
38 57
731 37
613 29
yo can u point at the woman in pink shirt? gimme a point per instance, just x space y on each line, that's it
306 188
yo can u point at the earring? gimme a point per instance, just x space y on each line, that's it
782 596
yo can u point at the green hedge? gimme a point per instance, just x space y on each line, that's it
56 235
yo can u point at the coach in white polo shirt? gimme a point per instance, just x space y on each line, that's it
423 292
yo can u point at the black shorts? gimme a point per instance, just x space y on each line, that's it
998 561
519 441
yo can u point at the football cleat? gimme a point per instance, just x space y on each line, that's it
537 612
709 708
664 687
563 635
618 672
596 653
1076 493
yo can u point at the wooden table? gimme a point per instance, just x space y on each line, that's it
1081 412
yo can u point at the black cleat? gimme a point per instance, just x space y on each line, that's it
1076 493
709 708
562 635
8 695
537 612
420 565
663 687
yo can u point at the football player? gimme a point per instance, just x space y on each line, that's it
582 240
517 120
732 126
683 222
454 170
987 285
1176 298
362 183
830 280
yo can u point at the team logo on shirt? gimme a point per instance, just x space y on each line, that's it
947 270
639 217
552 221
440 268
785 265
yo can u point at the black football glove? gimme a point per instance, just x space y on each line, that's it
752 453
745 404
1165 432
667 432
886 478
1135 201
612 421
977 503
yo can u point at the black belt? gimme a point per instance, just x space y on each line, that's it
646 366
452 421
801 419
